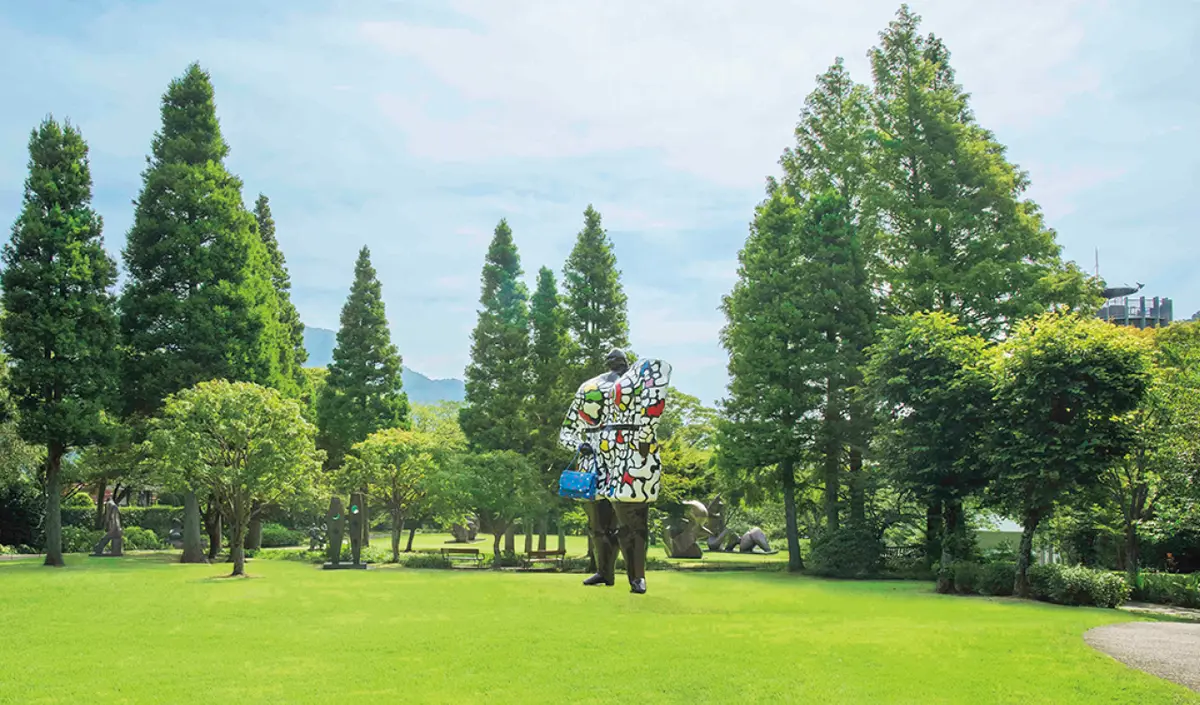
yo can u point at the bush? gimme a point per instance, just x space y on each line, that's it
276 535
7 550
156 518
77 539
846 553
966 577
424 560
1077 585
139 539
79 499
996 579
1168 589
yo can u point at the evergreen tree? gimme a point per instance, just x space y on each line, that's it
292 353
363 391
498 377
60 326
549 358
831 159
596 303
769 427
198 304
960 238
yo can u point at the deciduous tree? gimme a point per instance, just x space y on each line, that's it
246 444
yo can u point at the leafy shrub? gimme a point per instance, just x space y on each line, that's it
79 499
424 560
1077 585
1168 589
7 550
77 539
846 553
156 518
966 577
575 564
138 539
1003 552
996 579
276 535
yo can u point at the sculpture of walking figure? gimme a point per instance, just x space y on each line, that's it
612 421
112 531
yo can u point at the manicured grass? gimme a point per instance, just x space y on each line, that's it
146 630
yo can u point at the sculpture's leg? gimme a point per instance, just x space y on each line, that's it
602 521
634 532
118 546
99 549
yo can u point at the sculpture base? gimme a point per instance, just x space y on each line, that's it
344 566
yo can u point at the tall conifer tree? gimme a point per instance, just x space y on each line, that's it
292 354
498 377
60 326
199 302
363 392
595 300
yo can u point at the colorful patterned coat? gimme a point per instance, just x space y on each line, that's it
617 415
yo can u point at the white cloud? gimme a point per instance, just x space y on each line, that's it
713 86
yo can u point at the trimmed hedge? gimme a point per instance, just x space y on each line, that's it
156 518
1180 590
1077 585
278 535
993 579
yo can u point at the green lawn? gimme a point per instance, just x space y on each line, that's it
147 630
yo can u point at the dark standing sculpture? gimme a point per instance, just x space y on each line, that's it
681 535
356 528
112 532
611 423
335 519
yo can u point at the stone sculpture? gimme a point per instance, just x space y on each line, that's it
335 519
754 538
465 533
316 537
611 424
112 532
681 535
717 531
355 515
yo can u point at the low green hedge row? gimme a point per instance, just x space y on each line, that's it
1180 590
78 539
278 535
984 578
156 518
1077 585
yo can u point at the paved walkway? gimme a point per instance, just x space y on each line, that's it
1169 650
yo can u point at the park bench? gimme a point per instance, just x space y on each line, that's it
556 557
464 554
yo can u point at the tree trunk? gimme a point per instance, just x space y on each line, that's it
496 548
528 536
212 522
237 539
193 551
1131 552
543 525
412 531
54 553
510 539
1025 554
933 532
101 486
833 459
858 491
397 528
788 480
950 517
254 532
562 536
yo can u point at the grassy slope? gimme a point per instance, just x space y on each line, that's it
144 630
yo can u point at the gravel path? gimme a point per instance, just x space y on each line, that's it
1168 650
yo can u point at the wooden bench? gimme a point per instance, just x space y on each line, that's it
556 557
464 554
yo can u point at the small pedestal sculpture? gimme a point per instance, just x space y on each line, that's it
112 532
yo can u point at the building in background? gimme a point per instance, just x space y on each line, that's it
1124 309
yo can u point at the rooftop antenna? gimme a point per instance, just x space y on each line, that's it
1097 262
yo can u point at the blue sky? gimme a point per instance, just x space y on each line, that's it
414 130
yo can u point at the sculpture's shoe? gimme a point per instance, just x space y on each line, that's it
638 587
597 579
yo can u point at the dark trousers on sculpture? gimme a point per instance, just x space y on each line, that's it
619 524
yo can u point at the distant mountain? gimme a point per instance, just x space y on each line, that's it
420 389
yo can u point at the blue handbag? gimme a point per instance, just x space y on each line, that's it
578 484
